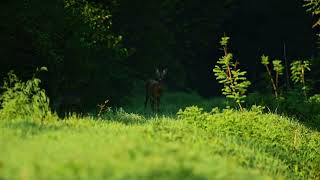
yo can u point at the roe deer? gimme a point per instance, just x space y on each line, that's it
69 103
154 88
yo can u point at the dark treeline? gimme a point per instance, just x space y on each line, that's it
97 50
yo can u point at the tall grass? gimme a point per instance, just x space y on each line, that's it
197 145
132 143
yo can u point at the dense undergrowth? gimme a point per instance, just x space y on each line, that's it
133 143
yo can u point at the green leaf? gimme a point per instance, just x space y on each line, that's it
224 41
264 60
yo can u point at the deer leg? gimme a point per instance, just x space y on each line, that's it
158 104
147 85
146 101
152 103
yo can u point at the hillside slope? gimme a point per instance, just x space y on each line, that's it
195 145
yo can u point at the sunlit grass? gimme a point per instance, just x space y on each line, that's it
132 143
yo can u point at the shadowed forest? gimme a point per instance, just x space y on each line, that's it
100 50
120 89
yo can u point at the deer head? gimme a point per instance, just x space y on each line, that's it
161 74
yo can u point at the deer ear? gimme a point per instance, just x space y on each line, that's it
164 72
157 72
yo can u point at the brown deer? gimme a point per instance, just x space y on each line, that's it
69 103
154 88
70 97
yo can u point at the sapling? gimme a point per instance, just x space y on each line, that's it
298 69
265 62
234 81
278 69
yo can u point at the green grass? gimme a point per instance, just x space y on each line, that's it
133 144
171 102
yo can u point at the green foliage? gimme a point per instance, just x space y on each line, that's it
265 60
220 144
234 81
278 67
79 45
278 70
224 41
315 98
98 52
86 149
291 103
24 100
277 141
298 69
313 6
99 20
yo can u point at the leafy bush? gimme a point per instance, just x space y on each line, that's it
315 98
24 100
291 103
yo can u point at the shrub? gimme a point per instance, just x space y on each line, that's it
292 103
24 100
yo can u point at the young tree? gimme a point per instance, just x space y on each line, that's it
227 73
278 69
298 69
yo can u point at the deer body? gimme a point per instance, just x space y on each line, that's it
69 103
154 89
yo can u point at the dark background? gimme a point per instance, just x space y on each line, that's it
86 60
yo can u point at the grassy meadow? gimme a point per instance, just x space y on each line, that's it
97 60
190 143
